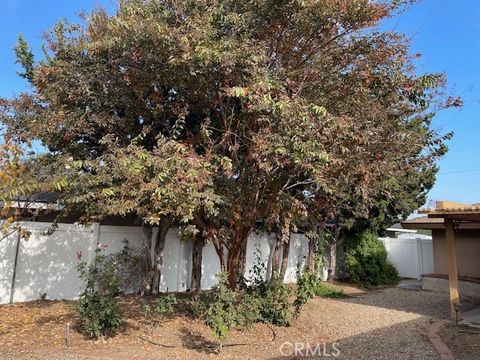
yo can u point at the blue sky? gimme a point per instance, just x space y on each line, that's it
447 33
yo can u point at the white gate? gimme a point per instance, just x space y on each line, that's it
412 254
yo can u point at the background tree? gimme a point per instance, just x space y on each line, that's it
160 187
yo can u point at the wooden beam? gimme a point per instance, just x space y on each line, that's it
452 265
450 205
464 217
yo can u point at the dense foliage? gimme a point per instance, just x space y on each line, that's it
97 306
265 300
223 309
218 113
217 309
366 261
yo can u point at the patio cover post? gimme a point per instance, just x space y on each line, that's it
452 265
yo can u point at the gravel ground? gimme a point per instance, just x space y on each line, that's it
381 324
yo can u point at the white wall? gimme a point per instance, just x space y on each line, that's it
412 254
47 263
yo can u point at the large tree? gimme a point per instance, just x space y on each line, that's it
298 99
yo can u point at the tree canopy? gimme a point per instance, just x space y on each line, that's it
216 111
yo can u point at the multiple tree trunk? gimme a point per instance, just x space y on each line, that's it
237 255
152 270
282 241
235 259
338 241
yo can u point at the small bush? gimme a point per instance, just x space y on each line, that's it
275 307
264 301
218 310
249 311
366 261
389 276
97 307
162 307
125 263
306 285
222 309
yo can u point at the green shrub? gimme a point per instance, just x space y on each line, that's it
125 263
389 276
163 306
97 306
217 309
306 285
274 304
249 311
222 309
366 261
264 301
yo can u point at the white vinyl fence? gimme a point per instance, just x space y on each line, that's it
46 264
412 254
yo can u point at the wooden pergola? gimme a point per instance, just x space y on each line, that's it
453 214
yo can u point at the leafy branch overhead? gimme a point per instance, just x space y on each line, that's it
214 112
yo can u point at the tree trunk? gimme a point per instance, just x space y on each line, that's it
235 255
312 251
196 282
242 260
332 250
333 261
285 234
276 256
146 260
219 249
160 239
286 252
232 266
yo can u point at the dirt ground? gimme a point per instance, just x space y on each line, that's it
463 341
380 324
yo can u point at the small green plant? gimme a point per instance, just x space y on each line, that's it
267 303
162 307
125 263
217 309
306 286
97 307
257 273
249 311
275 306
366 261
264 301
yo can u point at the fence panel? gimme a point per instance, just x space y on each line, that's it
47 263
7 258
412 256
